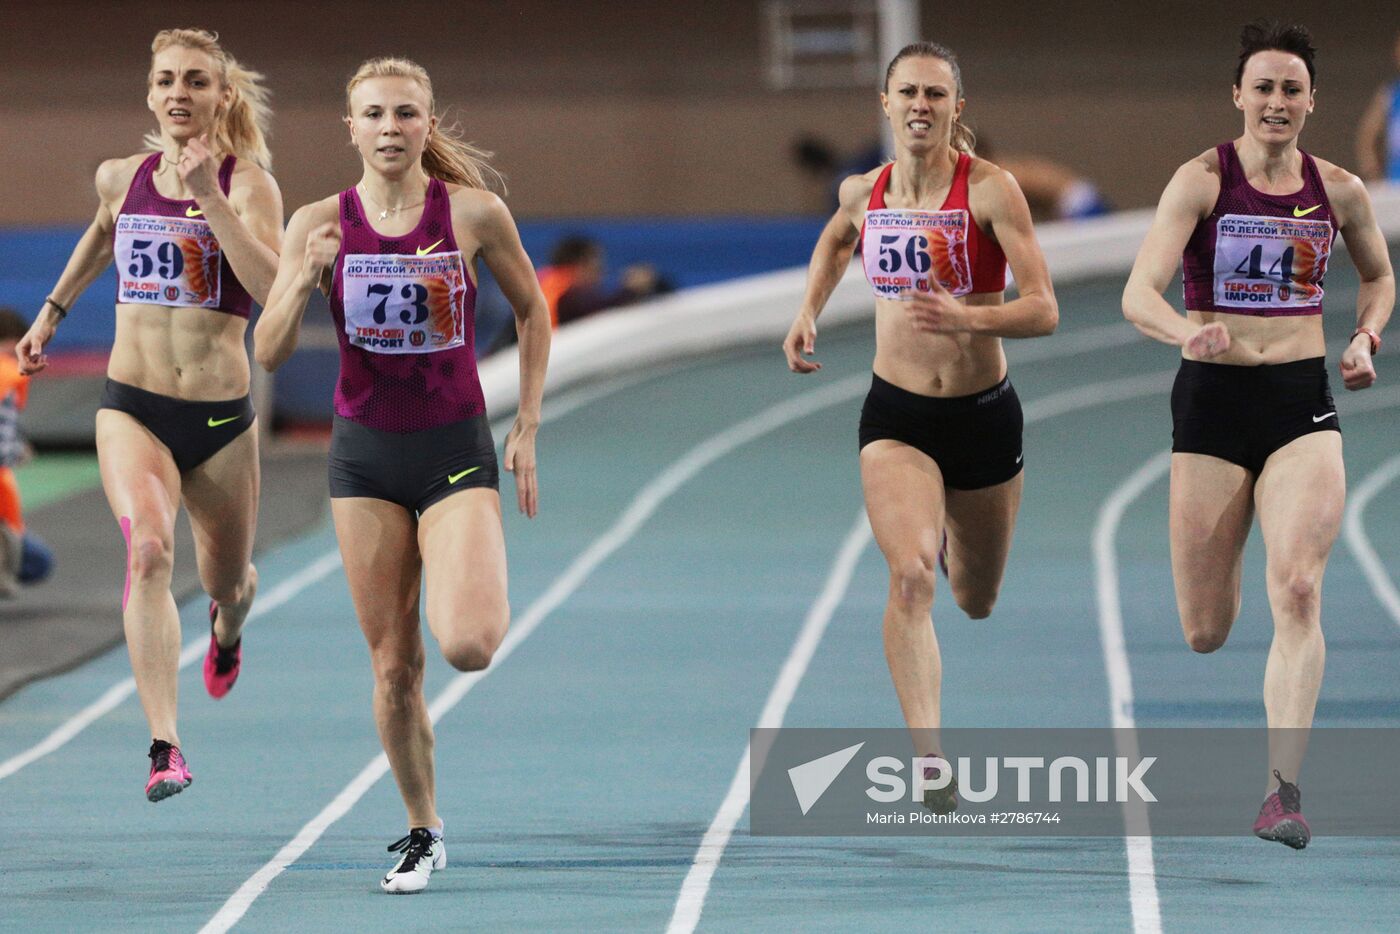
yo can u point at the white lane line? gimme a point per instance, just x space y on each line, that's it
1073 342
556 407
1354 528
193 651
691 900
309 575
651 497
697 881
1142 879
1142 873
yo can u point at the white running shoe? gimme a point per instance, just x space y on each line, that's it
422 853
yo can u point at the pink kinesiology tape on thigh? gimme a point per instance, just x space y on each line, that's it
125 522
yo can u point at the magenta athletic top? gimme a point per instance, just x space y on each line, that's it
1260 254
404 310
166 254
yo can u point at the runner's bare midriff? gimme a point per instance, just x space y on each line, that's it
947 365
1255 341
186 353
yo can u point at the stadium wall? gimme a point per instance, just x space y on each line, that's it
650 109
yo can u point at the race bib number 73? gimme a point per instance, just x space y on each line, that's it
1270 262
907 250
397 304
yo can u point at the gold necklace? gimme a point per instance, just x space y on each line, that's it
385 212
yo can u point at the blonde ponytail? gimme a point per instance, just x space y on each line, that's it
963 138
446 156
242 127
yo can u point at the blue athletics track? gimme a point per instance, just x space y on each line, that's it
700 565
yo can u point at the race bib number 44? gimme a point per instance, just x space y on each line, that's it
1270 263
906 250
404 304
166 261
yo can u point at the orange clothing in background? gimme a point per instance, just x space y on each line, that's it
14 393
11 510
554 282
12 380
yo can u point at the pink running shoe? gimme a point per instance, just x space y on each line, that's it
221 665
941 800
1281 818
169 773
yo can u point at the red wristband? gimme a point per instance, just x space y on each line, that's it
1375 339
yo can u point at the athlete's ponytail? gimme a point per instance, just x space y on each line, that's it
962 138
446 156
240 127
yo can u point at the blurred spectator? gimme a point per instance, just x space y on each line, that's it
495 319
573 281
24 559
1378 136
819 159
1054 192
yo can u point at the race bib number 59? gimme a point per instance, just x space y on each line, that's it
404 304
166 261
907 250
1269 263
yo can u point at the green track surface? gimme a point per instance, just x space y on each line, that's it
52 477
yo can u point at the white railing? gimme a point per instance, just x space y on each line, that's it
760 308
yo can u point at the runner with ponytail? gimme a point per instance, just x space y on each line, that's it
413 471
194 226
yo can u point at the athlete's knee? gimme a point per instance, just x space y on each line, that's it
398 675
976 602
151 553
1206 624
1298 594
469 651
912 582
1206 640
228 590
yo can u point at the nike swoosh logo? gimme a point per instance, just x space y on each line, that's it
1323 418
215 423
1018 457
193 212
1299 212
425 250
454 477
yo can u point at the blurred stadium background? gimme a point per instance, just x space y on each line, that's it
665 131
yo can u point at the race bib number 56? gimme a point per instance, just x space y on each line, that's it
1269 263
404 304
907 250
166 261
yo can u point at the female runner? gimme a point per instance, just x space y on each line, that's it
1254 426
194 227
413 473
940 432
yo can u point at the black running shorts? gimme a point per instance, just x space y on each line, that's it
1243 414
975 440
414 469
192 431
